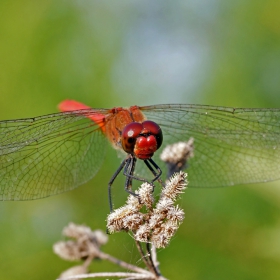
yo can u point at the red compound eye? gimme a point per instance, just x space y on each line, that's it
154 129
129 136
142 140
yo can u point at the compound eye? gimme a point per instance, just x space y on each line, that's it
129 135
155 130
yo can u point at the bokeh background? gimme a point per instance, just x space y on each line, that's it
120 53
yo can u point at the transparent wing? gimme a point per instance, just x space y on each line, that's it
49 154
232 146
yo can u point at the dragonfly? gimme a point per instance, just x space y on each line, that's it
51 154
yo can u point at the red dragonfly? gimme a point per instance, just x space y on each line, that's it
50 154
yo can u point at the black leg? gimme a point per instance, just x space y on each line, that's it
129 167
124 162
128 172
157 173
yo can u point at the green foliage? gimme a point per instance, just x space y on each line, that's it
107 54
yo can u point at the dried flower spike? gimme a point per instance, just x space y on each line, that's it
160 221
176 155
86 243
175 185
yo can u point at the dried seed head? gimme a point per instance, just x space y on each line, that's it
156 219
163 204
77 231
83 233
87 243
175 214
176 156
143 233
175 185
178 153
169 228
146 194
115 220
160 240
158 224
133 221
100 237
162 235
134 203
68 250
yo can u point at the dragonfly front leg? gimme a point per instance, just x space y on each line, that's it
157 173
124 162
128 172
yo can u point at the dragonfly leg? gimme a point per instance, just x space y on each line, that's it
128 172
157 173
124 162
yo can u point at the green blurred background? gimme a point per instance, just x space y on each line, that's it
120 53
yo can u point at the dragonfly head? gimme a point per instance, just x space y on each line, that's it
141 139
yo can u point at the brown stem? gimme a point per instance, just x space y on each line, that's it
144 257
146 275
121 263
151 258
